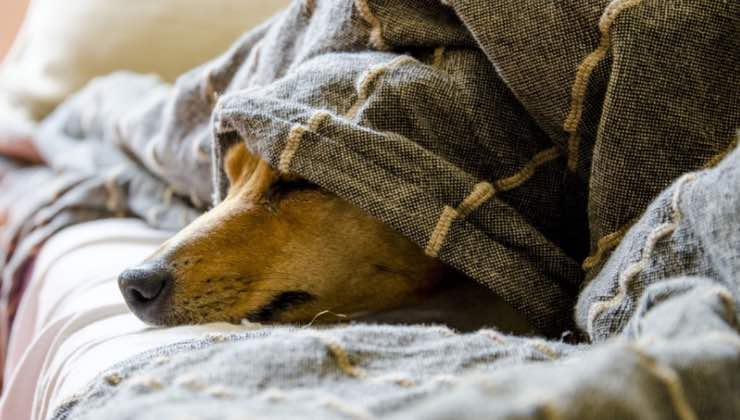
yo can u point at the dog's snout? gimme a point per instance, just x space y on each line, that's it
146 289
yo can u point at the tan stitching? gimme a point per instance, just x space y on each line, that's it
115 203
439 53
376 31
443 330
634 269
363 91
113 378
197 202
114 197
583 74
274 395
209 90
161 360
670 379
440 231
342 358
310 6
527 170
216 337
545 349
548 409
147 382
219 391
291 146
295 136
153 160
190 381
493 335
721 155
397 378
167 197
344 408
604 245
482 192
727 301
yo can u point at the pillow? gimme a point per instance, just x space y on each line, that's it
63 44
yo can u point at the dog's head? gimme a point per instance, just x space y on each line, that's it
277 249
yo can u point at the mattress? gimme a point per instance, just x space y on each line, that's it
72 322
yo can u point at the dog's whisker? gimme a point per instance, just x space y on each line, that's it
322 313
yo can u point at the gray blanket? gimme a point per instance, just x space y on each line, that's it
516 141
677 356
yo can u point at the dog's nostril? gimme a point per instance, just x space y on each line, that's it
143 296
143 287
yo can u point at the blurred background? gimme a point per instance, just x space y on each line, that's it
11 14
49 49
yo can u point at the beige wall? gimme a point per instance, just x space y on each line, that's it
11 15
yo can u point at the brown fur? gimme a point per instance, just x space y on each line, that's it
270 236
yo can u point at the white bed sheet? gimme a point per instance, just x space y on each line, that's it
72 322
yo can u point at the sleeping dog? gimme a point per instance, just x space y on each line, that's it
278 249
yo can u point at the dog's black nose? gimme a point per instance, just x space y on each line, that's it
146 289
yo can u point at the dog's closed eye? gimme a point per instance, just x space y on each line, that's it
279 303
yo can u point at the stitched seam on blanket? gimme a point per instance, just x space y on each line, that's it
633 270
548 409
363 90
154 163
612 240
398 378
115 203
376 30
439 53
482 192
712 162
493 335
728 304
605 244
670 379
344 408
528 170
341 357
440 231
542 347
310 6
209 91
583 74
296 135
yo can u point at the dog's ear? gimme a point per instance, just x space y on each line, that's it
249 175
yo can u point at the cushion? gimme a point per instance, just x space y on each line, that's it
62 45
72 322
